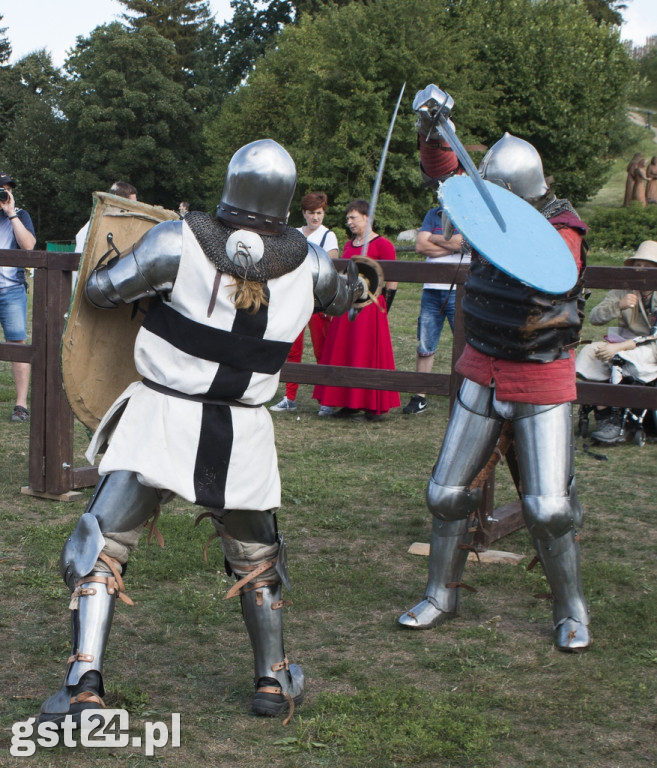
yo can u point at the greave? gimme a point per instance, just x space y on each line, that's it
91 623
262 611
91 620
560 561
450 542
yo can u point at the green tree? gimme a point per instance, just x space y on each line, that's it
254 26
128 118
31 140
544 71
181 22
327 91
5 46
560 81
647 87
606 11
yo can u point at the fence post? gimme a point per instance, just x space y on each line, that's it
51 472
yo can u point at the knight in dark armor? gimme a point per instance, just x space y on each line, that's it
518 365
230 294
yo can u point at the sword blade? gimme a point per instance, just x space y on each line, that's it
473 173
379 174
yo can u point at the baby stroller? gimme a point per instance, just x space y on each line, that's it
618 425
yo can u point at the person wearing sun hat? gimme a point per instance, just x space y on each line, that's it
635 316
16 232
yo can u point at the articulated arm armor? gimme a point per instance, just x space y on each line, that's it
334 293
148 268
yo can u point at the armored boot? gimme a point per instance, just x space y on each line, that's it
560 561
92 604
279 685
450 542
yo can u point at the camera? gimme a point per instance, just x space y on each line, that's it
4 195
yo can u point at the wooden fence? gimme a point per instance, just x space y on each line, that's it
51 470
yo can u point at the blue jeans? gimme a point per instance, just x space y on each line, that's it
13 312
435 306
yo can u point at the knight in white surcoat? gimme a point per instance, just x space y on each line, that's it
229 294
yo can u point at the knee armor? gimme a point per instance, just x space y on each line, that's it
550 517
447 503
120 504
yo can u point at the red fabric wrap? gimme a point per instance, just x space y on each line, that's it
437 158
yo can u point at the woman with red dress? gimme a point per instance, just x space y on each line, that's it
365 341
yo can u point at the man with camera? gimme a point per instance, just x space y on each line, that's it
16 231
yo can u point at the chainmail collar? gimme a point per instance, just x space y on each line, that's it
283 253
556 206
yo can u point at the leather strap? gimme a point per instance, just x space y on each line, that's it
235 589
87 697
279 692
153 529
113 565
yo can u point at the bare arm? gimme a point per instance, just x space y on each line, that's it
605 350
24 237
435 246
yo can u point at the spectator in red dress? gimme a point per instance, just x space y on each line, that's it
365 341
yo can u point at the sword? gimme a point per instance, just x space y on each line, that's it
379 173
439 117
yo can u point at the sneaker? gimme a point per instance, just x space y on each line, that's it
609 432
20 414
325 410
417 404
284 405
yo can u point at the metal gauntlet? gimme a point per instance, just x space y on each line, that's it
334 293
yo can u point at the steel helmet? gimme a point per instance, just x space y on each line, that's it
257 194
515 164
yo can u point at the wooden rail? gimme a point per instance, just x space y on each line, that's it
51 470
494 523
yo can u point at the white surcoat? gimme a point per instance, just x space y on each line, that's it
198 345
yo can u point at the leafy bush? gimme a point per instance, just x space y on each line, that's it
622 228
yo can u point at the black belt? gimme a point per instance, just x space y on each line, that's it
196 398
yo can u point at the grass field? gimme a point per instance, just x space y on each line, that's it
486 690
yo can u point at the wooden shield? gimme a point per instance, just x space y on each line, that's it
98 344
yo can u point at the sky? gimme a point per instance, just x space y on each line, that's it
55 25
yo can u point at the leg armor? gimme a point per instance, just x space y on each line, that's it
552 512
471 436
91 564
255 554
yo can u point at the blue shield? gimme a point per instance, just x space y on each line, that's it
530 249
